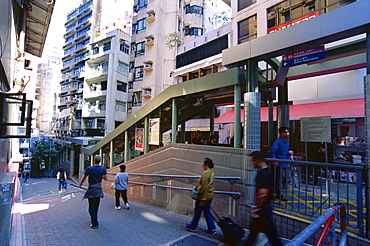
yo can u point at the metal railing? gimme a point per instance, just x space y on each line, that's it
313 187
163 177
328 218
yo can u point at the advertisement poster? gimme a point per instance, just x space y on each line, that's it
154 131
139 139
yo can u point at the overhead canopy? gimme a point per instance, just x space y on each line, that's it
37 24
334 109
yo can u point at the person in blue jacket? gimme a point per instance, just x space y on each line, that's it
281 150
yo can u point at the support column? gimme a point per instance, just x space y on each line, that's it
283 106
174 120
237 121
367 134
252 133
81 166
146 134
101 158
270 126
127 146
212 121
111 159
183 132
72 159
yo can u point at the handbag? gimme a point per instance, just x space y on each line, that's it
113 185
194 193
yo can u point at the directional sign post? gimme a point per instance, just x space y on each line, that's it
303 56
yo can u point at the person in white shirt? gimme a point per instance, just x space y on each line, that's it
121 180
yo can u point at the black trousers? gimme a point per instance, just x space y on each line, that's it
93 210
123 194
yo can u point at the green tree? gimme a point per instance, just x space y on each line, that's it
42 151
174 40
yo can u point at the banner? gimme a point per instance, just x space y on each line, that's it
154 131
139 139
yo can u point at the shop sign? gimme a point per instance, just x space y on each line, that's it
294 22
202 129
303 56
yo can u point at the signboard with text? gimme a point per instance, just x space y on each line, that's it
316 129
303 56
294 22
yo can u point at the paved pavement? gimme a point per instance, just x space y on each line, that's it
43 216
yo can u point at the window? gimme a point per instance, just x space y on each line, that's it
102 105
130 86
136 98
289 12
140 49
193 31
83 31
131 67
100 124
142 4
121 86
124 47
247 29
193 9
122 67
139 26
104 66
120 106
95 49
129 107
106 46
68 51
89 124
103 86
139 72
242 4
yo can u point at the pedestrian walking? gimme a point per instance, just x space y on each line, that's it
121 180
206 187
62 178
96 174
262 210
25 175
281 150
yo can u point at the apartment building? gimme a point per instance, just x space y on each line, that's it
159 27
105 94
86 24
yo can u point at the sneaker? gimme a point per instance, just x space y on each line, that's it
94 227
117 208
212 232
127 206
189 228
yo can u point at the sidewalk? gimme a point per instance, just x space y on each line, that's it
43 216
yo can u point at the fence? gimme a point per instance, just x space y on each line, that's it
311 188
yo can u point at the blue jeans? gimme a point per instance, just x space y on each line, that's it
93 210
205 207
62 185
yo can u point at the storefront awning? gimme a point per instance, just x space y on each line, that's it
334 109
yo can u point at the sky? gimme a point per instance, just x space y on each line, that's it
58 18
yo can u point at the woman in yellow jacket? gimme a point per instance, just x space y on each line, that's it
206 186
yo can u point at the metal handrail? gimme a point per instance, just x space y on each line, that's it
234 194
179 176
327 217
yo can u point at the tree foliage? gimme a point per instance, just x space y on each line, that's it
174 40
43 149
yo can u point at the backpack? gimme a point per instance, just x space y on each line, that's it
233 232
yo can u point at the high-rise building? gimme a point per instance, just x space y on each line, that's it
159 27
85 25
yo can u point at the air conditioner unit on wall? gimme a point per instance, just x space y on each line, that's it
131 77
147 93
148 67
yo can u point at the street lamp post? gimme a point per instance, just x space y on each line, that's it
49 175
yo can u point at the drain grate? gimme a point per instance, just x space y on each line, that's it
194 240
